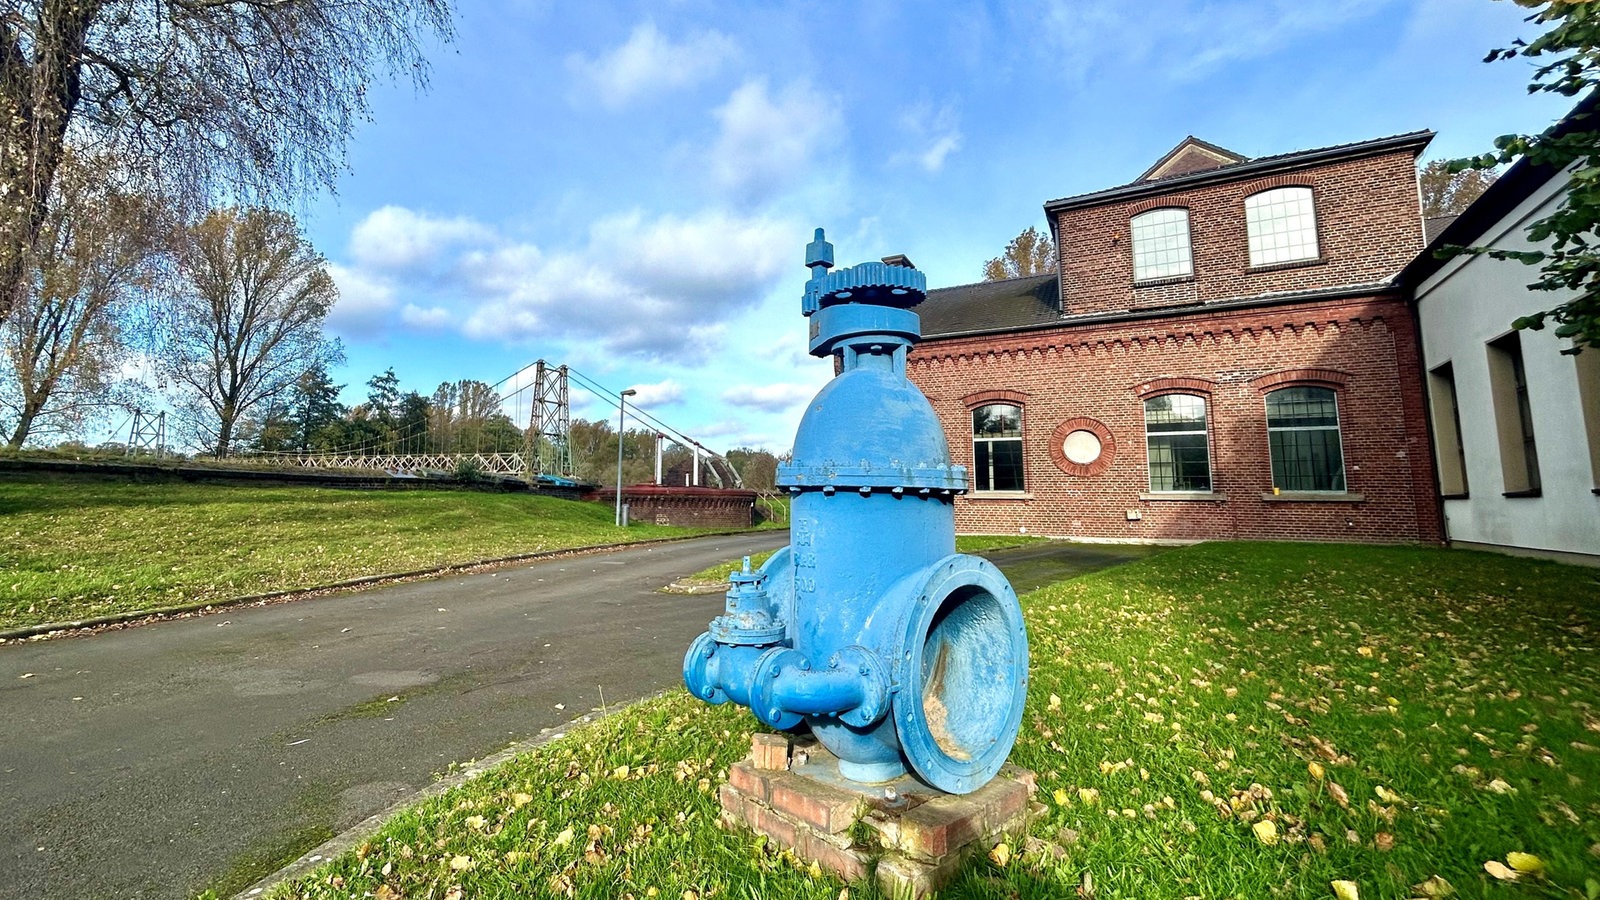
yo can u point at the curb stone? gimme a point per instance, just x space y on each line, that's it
366 828
55 629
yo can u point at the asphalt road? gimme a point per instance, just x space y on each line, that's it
154 761
161 760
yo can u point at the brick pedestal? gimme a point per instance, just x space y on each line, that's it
914 838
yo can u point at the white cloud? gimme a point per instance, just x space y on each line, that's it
661 287
931 134
366 302
662 393
766 142
775 398
1188 38
434 318
397 239
652 64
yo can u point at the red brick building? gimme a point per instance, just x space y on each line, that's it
1224 352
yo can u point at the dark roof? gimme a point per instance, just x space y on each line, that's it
1228 157
1433 226
1508 191
991 306
1253 168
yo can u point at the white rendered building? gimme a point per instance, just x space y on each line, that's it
1515 422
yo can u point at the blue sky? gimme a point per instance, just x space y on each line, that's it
628 188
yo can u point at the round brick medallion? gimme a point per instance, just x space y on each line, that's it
1082 447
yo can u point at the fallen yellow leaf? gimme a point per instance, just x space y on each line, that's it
1434 888
1001 854
1364 651
1338 793
562 839
1089 795
1055 702
1316 770
1385 794
476 823
1345 890
1499 870
1526 863
460 863
1266 831
519 800
1061 797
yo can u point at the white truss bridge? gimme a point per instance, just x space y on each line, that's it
514 464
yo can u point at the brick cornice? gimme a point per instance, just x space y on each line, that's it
1181 384
981 398
1316 376
1230 324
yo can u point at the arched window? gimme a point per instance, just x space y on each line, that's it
1303 435
1282 225
1177 443
1161 244
997 447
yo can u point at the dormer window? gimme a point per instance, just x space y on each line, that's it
1282 225
1161 244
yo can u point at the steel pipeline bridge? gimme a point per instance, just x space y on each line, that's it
546 455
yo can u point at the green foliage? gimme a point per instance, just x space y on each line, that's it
1029 253
468 471
1567 58
1399 714
1447 191
75 550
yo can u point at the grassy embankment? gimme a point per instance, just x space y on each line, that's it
74 549
1245 720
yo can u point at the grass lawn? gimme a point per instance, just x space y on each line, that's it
1224 720
75 549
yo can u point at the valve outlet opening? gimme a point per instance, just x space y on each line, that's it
968 691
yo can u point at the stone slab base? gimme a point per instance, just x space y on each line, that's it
913 838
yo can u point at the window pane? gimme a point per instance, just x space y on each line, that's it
1306 460
1007 465
1281 225
997 447
1175 439
1175 412
997 420
1179 462
1302 407
1161 244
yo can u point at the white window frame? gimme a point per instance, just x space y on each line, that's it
1022 458
1204 432
1337 427
1281 225
1162 244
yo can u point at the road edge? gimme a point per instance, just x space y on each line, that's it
366 828
140 617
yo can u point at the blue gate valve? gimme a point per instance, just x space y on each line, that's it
899 653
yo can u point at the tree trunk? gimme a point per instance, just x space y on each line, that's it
24 425
44 92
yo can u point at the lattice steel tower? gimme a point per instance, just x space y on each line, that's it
550 430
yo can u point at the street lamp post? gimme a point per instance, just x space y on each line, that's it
622 407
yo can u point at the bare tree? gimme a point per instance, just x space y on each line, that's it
246 321
255 96
1029 253
64 343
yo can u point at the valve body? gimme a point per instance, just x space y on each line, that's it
896 651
